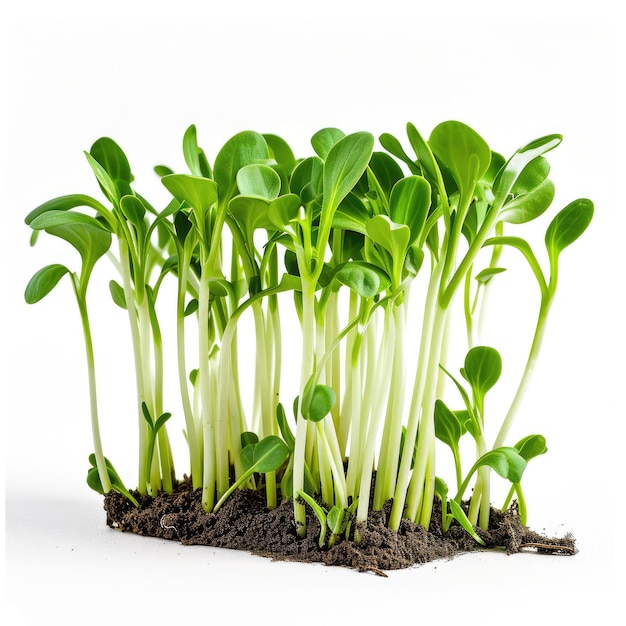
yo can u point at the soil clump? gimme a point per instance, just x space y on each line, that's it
244 523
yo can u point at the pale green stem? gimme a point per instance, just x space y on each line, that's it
204 376
135 334
263 374
392 434
308 360
356 357
195 457
93 398
345 418
531 363
382 395
481 497
165 452
421 376
421 488
336 460
145 336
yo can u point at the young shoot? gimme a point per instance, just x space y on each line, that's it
372 251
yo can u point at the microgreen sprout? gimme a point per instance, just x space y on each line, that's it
339 238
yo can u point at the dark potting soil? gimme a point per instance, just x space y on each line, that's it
244 523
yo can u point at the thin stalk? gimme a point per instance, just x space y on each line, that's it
263 373
480 502
308 363
345 417
323 463
204 376
390 448
136 339
422 484
382 394
531 363
336 460
421 375
195 458
467 310
165 452
93 398
145 333
357 356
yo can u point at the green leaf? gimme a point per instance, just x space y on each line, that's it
322 400
93 479
117 293
335 520
83 232
425 157
441 489
532 176
469 423
258 181
402 444
568 225
162 170
531 446
448 426
252 212
43 282
365 279
409 204
53 218
320 513
146 415
386 172
64 203
269 454
459 515
194 155
161 421
344 165
323 140
391 236
248 438
240 150
483 366
133 209
307 174
393 146
283 210
281 153
530 205
283 425
352 215
112 158
513 169
463 151
247 456
192 307
488 273
200 193
414 260
506 461
107 184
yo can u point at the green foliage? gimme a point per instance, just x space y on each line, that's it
348 239
93 480
43 282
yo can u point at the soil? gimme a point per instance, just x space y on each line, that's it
244 523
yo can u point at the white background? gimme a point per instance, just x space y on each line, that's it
141 73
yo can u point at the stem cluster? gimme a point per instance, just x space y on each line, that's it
343 234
